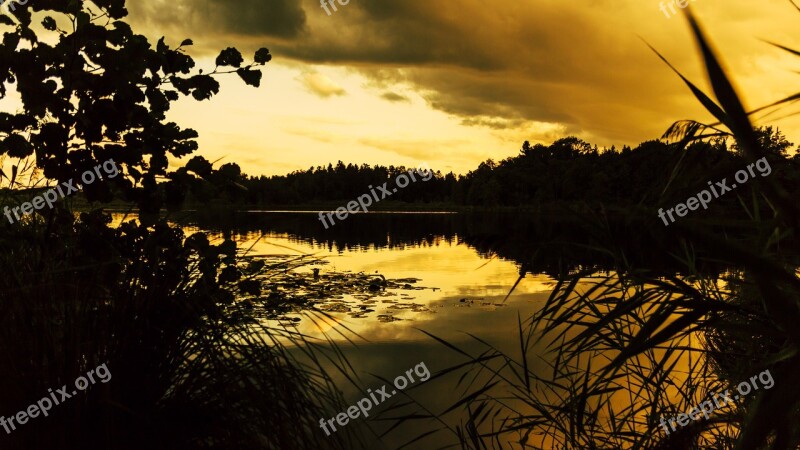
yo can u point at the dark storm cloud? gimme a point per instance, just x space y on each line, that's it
258 18
283 18
573 64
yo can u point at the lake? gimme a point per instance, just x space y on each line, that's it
455 272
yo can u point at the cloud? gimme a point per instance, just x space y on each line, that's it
327 138
495 123
422 150
271 18
394 97
321 85
579 65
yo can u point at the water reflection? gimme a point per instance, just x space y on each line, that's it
466 265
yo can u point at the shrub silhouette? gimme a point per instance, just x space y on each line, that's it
190 370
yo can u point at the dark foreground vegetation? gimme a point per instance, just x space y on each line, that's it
190 367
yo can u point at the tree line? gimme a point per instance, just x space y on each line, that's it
568 170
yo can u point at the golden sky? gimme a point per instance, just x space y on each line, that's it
454 82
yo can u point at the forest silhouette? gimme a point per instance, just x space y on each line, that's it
568 171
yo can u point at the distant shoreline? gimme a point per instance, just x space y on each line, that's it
386 208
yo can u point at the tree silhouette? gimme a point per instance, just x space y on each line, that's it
101 92
157 306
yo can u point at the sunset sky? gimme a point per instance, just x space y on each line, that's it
456 82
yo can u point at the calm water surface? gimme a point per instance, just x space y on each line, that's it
467 265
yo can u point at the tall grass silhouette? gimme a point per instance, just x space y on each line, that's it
192 367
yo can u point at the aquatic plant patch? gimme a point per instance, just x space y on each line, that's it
280 295
365 404
58 397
